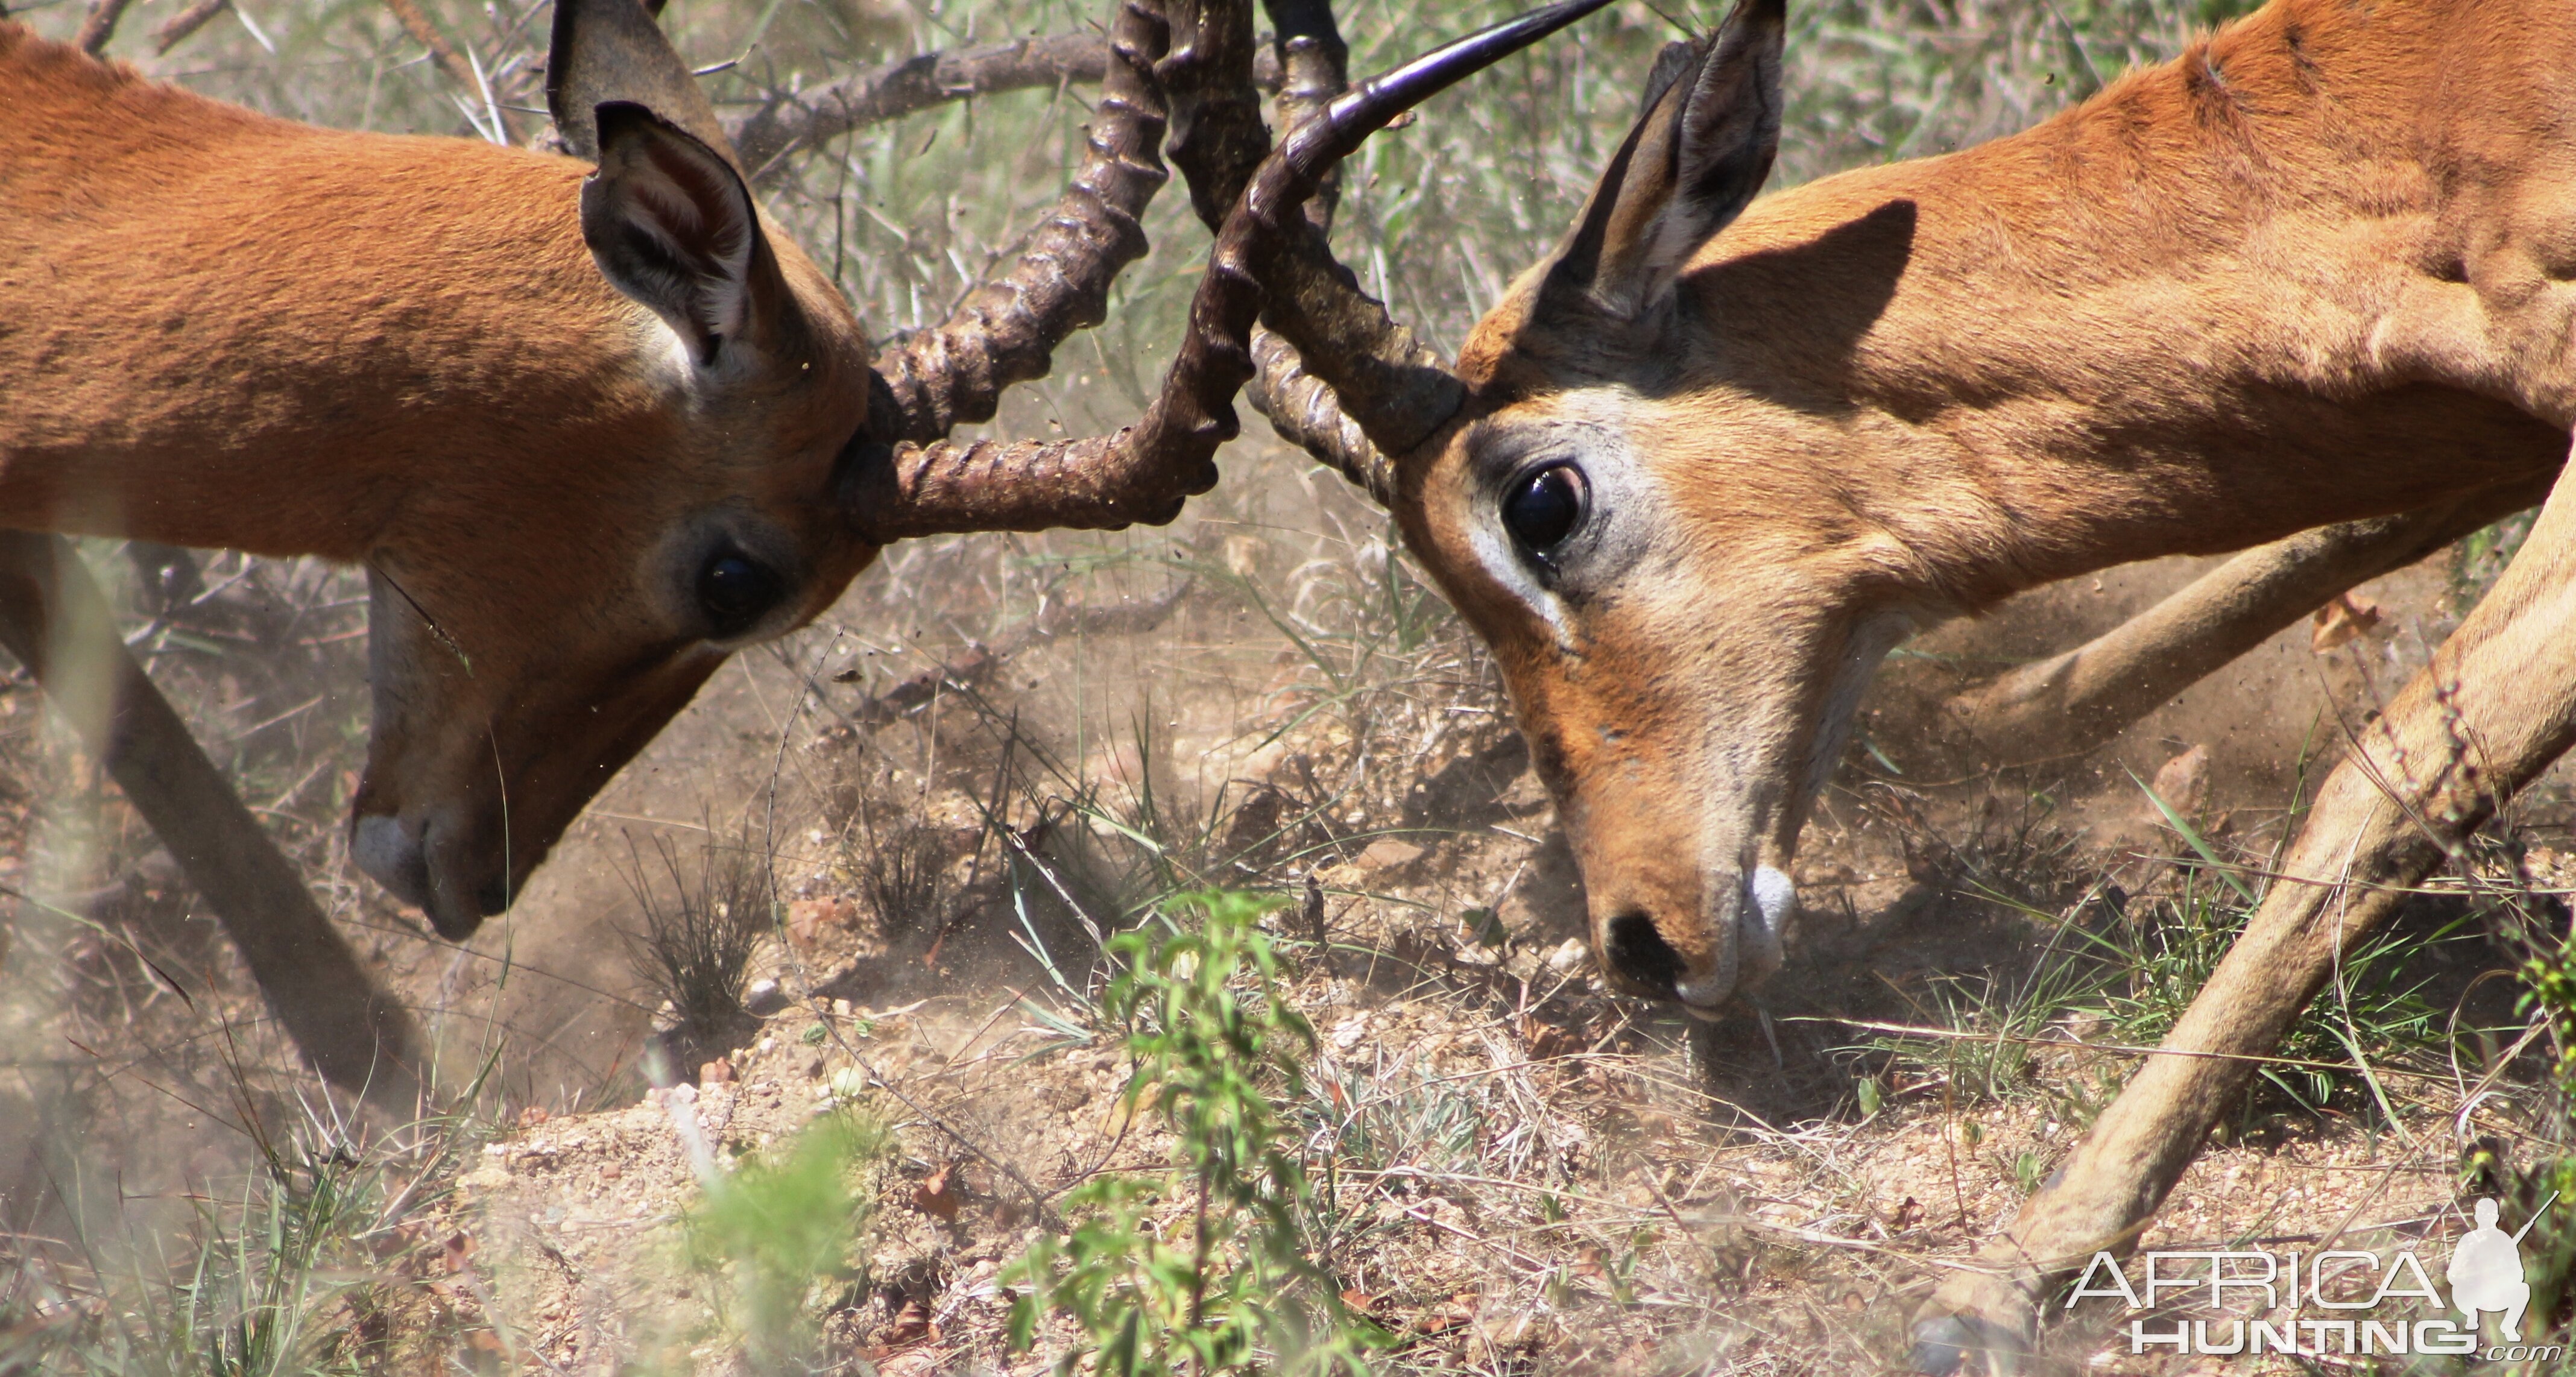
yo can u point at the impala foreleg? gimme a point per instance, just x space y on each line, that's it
54 621
2495 707
2068 704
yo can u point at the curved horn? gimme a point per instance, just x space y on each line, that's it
1303 411
1389 386
1145 473
1314 66
1006 331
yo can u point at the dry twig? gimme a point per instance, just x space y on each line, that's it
805 118
417 24
99 25
186 22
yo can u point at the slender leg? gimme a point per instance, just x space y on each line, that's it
2068 704
54 620
2495 707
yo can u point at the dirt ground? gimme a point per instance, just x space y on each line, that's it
1527 1175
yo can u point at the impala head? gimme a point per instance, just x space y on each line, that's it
691 509
1684 615
1683 602
515 676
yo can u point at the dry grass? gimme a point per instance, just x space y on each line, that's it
997 752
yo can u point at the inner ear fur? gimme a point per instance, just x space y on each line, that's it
1699 152
671 225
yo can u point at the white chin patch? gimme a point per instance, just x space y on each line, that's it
1771 899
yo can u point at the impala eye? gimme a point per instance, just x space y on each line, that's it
1545 507
736 591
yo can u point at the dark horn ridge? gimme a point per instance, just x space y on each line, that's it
1146 472
1006 331
1396 389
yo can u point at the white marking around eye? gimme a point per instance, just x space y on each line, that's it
1589 430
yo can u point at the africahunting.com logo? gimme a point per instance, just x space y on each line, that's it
2337 1302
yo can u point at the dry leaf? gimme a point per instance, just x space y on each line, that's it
936 1195
911 1325
1547 1041
2343 621
920 1362
809 919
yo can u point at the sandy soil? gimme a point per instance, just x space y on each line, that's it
1557 1180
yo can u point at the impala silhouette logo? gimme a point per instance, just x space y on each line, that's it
2336 1302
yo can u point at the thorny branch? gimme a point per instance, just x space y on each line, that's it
174 32
99 25
427 35
794 120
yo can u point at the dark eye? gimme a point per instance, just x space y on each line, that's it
736 591
1545 507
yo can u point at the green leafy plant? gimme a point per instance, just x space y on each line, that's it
775 1238
1229 1287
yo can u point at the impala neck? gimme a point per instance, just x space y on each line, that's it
2228 299
306 322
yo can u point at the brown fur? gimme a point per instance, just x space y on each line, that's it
221 329
2321 268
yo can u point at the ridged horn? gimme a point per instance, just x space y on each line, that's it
1006 331
1146 472
1387 383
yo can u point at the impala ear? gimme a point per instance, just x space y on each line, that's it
1701 149
671 225
612 50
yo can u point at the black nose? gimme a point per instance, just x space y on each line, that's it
1641 954
455 927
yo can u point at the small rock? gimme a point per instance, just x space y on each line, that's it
2183 782
1243 556
715 1073
1387 853
764 997
2341 622
1569 956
